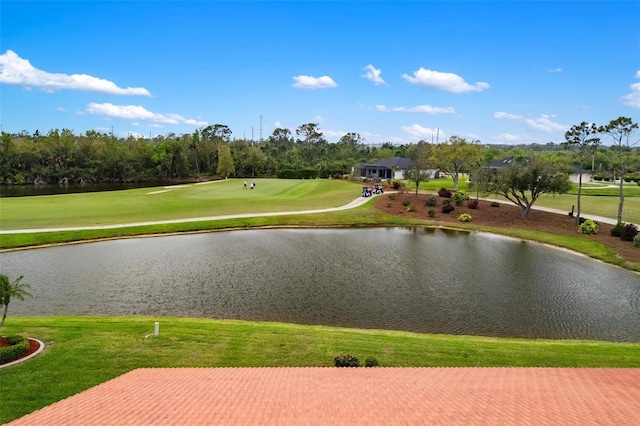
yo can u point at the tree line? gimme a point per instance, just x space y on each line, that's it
60 156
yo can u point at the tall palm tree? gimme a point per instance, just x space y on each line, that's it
10 289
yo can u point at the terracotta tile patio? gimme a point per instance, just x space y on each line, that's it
354 396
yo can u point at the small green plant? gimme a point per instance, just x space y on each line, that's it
431 201
445 202
392 197
431 213
629 232
616 231
588 227
636 241
371 362
410 207
464 217
495 204
447 208
406 203
460 195
346 360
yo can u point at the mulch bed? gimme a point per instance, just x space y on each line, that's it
506 216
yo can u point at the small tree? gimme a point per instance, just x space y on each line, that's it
418 172
580 140
620 131
10 289
524 181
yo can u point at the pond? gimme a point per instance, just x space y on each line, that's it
414 279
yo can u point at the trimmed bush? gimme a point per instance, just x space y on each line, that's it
431 201
460 196
431 213
444 193
588 227
464 217
447 208
616 231
472 204
629 232
371 362
346 360
14 339
11 353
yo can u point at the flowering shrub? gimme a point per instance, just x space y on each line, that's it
588 227
464 217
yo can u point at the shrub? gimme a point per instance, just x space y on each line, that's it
346 360
11 353
395 185
444 192
495 204
431 201
447 208
460 196
392 197
472 204
636 241
588 227
431 213
410 207
616 231
14 339
446 202
629 232
464 217
371 362
406 203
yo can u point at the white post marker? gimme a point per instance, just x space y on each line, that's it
156 329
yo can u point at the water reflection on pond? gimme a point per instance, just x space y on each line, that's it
432 281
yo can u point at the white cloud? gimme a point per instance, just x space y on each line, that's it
61 109
554 69
506 116
633 98
373 75
425 133
544 124
510 138
444 81
541 124
135 112
333 133
17 71
308 82
418 109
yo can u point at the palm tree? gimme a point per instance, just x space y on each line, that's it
11 289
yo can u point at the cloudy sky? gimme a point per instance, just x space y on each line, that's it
498 72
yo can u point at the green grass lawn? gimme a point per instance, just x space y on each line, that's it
85 351
153 204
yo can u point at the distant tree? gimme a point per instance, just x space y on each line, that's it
581 140
9 290
420 162
456 156
225 161
621 131
525 180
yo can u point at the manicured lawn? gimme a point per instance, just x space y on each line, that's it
182 201
85 351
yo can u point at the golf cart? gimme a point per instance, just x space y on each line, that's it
366 191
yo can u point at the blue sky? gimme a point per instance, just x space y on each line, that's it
499 72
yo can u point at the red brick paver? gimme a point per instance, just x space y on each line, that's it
354 396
